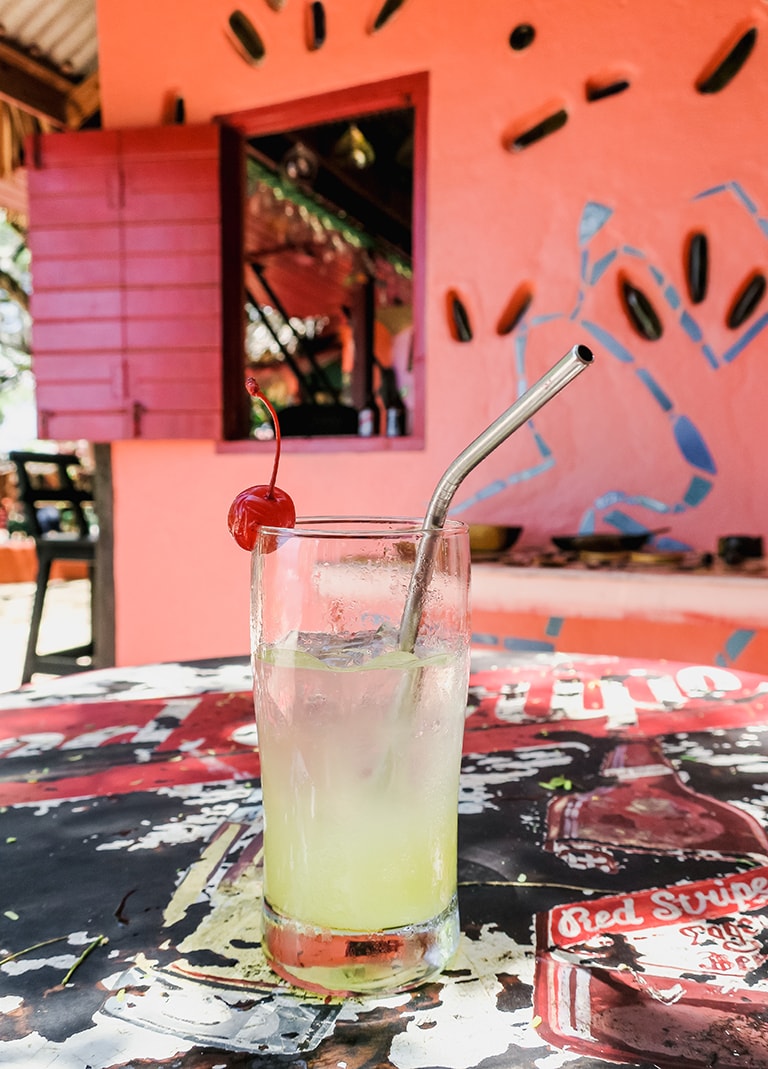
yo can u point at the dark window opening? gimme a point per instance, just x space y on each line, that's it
331 239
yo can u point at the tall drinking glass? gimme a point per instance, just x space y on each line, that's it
360 746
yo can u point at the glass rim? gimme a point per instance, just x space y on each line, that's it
363 527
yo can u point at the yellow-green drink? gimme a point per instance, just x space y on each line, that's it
375 847
360 746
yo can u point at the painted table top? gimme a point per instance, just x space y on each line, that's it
613 873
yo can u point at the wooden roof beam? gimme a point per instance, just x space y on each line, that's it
83 101
33 87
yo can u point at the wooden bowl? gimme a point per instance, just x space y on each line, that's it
490 538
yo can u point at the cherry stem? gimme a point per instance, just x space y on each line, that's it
252 387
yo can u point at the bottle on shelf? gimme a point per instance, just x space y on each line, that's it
369 417
396 414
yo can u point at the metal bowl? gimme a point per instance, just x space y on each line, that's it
606 541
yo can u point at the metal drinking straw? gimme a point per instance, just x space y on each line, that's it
566 369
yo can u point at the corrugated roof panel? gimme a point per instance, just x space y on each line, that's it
63 32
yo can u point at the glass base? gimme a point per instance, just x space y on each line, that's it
333 962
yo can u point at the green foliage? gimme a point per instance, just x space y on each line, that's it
15 322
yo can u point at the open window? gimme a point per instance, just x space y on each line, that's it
332 242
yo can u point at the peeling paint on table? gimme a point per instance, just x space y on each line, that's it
131 847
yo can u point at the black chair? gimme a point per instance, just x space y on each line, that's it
48 481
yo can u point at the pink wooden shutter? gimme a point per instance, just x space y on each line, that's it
125 235
74 237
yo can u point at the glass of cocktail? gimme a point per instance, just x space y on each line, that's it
360 738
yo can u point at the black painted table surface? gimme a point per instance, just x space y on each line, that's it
613 878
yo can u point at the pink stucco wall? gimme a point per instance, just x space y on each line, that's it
666 432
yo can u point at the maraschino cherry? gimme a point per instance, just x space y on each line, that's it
260 505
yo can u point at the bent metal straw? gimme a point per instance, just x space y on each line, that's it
563 372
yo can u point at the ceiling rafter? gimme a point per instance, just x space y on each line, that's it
44 93
33 99
83 101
